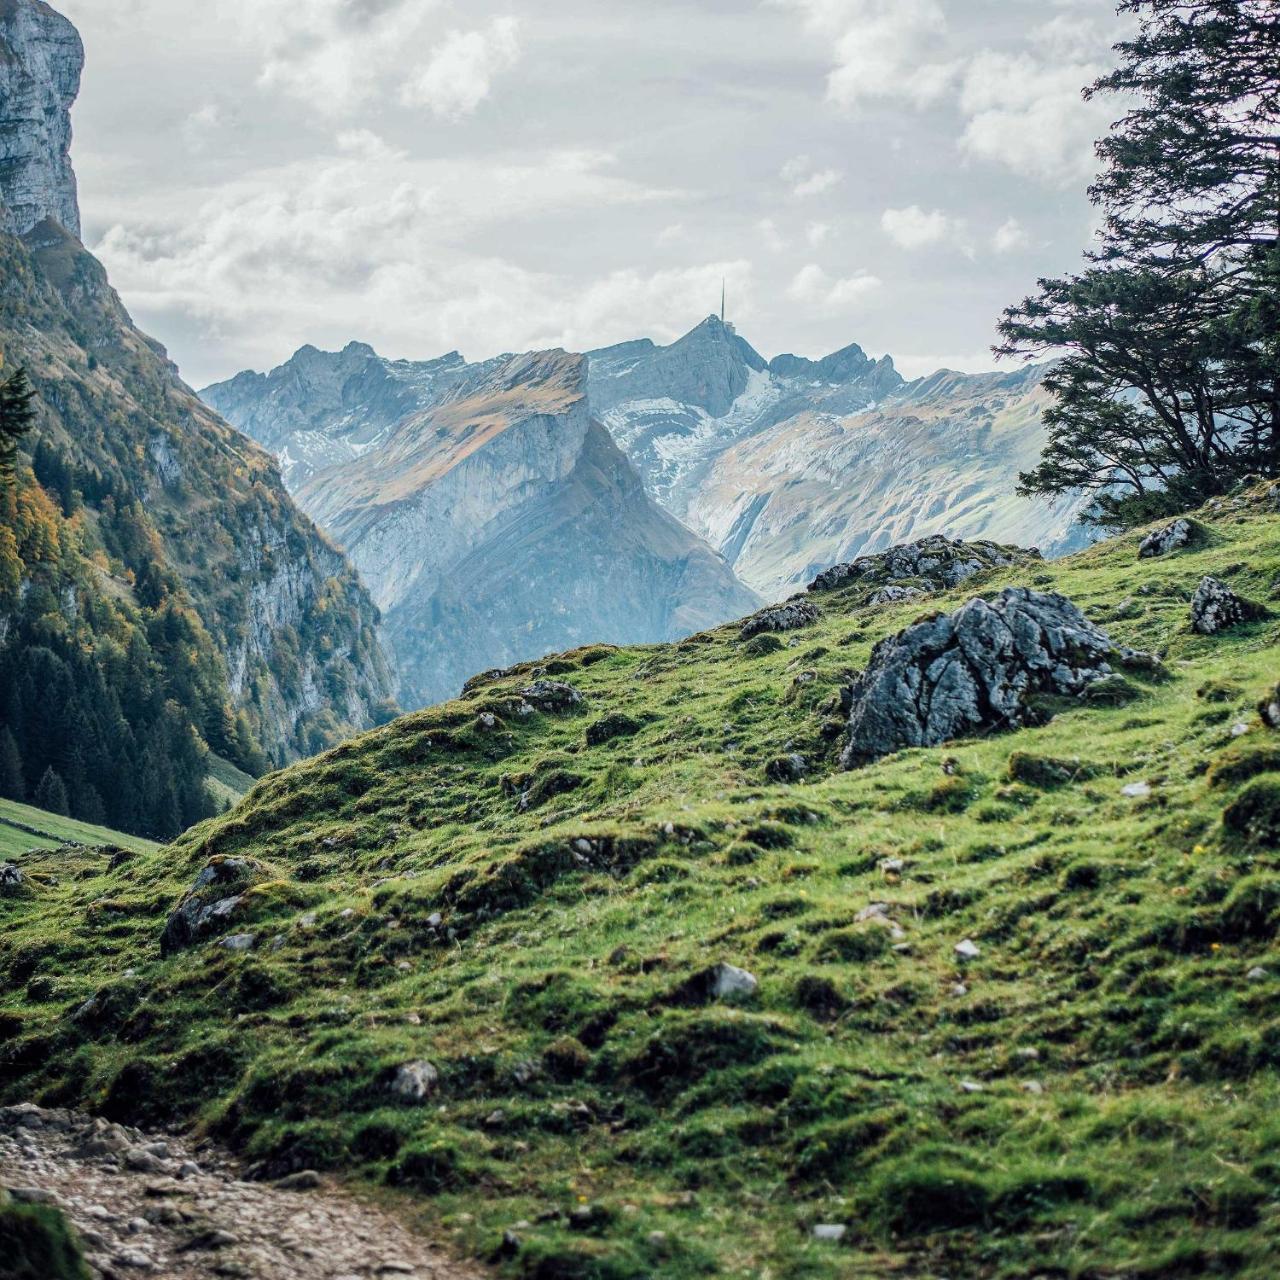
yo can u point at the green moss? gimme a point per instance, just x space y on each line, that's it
36 1243
412 910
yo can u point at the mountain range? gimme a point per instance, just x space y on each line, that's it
491 514
638 493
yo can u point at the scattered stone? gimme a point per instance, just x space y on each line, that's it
830 1232
551 696
1239 729
1173 537
486 721
1269 709
141 1160
975 670
1257 973
791 616
415 1081
968 949
239 941
762 646
1215 607
1032 1086
1028 1054
897 595
210 902
971 1086
722 982
787 769
10 878
930 564
1136 790
303 1180
958 989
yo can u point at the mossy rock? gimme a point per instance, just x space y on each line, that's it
37 1243
1240 764
611 727
762 646
856 945
1255 814
1047 772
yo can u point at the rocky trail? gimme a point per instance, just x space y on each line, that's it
162 1207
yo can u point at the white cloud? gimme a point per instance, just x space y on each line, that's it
461 71
1020 109
914 228
1010 237
770 236
672 234
806 180
817 233
1028 115
369 242
815 287
881 48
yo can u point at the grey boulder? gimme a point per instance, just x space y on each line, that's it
931 564
975 670
211 902
10 878
790 616
1173 537
1215 607
551 695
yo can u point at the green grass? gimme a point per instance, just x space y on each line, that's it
1096 1095
23 828
226 783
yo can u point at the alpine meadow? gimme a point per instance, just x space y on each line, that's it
624 807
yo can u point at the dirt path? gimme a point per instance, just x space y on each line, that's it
156 1207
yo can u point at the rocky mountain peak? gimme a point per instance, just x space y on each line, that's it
41 59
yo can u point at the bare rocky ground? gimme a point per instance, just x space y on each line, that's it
163 1208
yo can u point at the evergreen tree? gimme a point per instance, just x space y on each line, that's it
17 416
1169 391
51 794
12 780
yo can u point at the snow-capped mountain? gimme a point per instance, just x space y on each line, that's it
791 465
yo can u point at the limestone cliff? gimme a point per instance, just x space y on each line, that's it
493 518
41 58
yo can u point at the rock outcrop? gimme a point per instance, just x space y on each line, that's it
210 904
928 564
1162 542
972 671
41 59
492 516
791 616
1215 607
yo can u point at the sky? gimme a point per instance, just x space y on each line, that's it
507 175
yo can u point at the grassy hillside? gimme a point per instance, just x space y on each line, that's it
23 828
528 904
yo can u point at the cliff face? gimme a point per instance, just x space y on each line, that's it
177 510
41 58
492 517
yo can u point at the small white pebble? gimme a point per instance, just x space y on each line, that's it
968 949
1137 790
1257 973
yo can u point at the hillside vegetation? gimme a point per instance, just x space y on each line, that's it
472 960
23 828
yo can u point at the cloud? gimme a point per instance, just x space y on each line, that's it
339 56
1020 109
770 236
815 287
1010 237
806 180
913 228
817 233
881 48
460 73
368 241
1028 115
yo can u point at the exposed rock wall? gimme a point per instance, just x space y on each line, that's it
41 58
